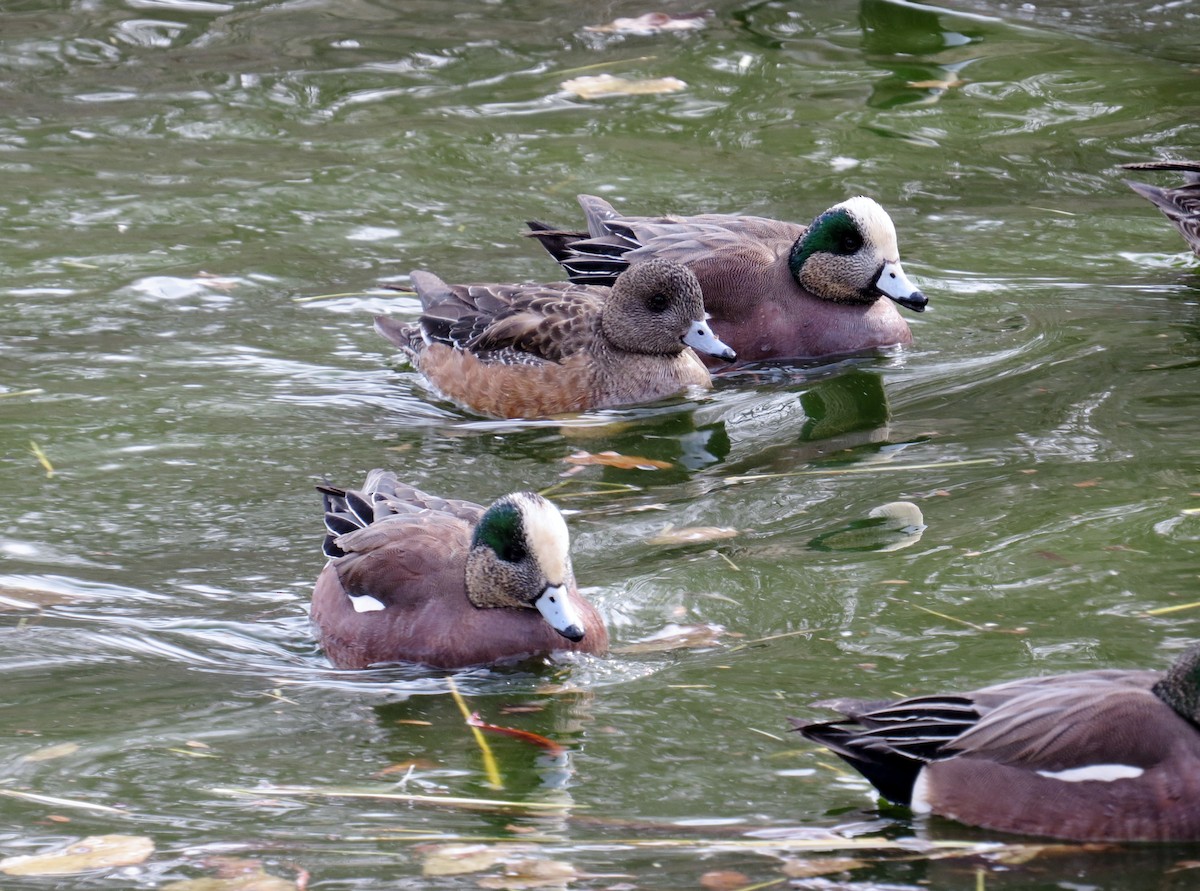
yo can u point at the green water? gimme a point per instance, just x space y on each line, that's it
179 178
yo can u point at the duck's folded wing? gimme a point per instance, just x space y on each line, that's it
546 322
1056 732
709 245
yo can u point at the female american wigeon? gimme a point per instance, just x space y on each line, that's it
774 289
1096 756
533 350
1181 204
415 578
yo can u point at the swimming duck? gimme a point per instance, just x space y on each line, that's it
1181 204
1104 755
533 350
445 583
774 289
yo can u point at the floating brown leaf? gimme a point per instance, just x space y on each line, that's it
724 880
91 853
654 22
619 461
535 739
594 86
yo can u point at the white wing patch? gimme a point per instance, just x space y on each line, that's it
365 603
1102 773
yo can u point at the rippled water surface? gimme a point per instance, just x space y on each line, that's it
200 202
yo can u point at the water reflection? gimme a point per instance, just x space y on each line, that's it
897 35
841 410
531 736
889 527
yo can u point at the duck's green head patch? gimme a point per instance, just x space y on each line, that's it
833 232
501 528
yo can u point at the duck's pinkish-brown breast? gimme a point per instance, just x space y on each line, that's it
439 627
765 314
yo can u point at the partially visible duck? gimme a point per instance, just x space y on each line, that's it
449 584
1103 755
1181 204
774 289
533 350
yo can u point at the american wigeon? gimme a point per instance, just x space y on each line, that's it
416 578
1103 755
533 350
774 289
1181 204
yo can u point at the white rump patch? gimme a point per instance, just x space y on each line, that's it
919 803
1101 773
365 603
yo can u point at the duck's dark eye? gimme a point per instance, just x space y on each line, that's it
658 301
513 551
849 242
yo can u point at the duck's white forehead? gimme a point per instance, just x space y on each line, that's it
873 221
546 533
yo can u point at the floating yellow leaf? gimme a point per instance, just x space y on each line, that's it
593 86
1164 610
671 535
619 461
652 23
43 459
49 753
92 853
